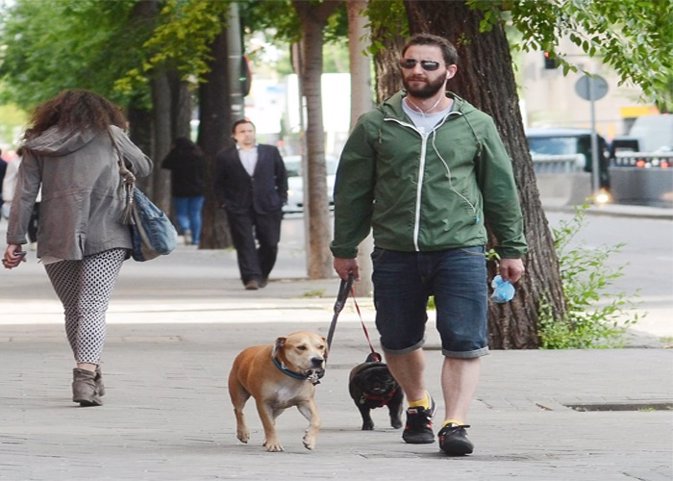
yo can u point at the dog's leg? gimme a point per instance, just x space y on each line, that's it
395 409
239 396
309 410
367 422
268 417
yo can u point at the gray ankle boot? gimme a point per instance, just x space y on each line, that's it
84 389
98 378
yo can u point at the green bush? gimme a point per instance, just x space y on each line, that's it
585 278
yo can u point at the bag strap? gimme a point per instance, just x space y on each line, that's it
128 183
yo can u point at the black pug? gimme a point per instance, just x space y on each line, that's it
372 386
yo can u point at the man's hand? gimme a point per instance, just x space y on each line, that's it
344 267
511 269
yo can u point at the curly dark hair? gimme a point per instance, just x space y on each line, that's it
75 109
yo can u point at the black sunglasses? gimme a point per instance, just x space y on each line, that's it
428 65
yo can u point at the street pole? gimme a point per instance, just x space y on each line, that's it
235 63
595 168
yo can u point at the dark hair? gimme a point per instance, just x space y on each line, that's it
185 144
75 109
449 52
239 122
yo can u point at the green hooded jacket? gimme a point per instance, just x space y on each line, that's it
426 191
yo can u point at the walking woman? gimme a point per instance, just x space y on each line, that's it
188 185
68 151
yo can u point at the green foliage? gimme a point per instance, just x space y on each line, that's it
181 40
335 57
388 19
492 255
280 19
585 279
635 37
13 121
51 45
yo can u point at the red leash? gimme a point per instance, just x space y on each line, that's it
362 322
345 288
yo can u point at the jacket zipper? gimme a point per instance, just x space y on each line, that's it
421 170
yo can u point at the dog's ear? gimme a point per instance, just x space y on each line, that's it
373 357
278 345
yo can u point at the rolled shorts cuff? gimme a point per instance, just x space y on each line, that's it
466 354
406 350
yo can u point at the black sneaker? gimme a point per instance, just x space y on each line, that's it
453 440
418 429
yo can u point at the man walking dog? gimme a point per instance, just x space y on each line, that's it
425 170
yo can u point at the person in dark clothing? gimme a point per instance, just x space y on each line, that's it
251 184
3 169
188 171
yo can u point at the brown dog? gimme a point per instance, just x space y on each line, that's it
279 376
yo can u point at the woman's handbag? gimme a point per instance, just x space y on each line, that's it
152 232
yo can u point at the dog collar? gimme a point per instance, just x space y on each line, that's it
379 400
313 377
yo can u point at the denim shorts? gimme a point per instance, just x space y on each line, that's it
403 282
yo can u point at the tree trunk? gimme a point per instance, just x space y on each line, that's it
313 19
361 102
142 121
161 108
386 63
214 135
181 107
141 130
485 78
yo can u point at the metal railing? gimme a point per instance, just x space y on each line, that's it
644 160
558 164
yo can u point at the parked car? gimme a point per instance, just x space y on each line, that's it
557 141
295 182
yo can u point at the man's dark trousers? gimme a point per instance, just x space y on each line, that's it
256 238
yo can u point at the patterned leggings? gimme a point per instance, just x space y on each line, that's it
84 288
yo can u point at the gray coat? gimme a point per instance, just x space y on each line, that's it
81 197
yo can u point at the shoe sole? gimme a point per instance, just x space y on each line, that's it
419 441
458 450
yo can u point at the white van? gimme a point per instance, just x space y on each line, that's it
654 132
649 133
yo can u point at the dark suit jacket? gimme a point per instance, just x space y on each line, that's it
265 191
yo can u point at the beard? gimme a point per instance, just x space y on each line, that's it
427 90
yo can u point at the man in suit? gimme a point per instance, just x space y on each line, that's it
251 185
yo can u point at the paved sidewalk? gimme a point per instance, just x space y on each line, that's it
175 325
167 414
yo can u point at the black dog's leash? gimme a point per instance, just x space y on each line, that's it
342 296
345 288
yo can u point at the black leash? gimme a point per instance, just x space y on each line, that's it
345 288
342 297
